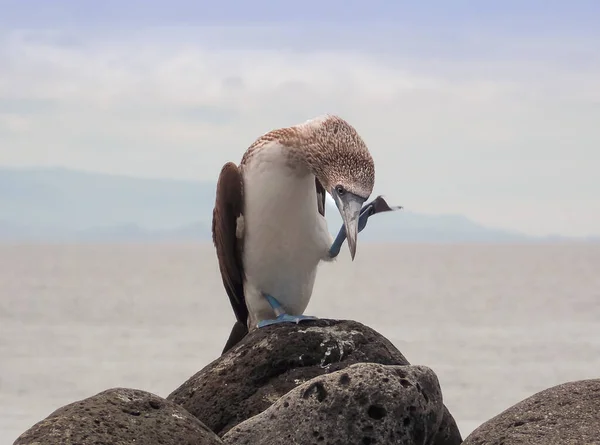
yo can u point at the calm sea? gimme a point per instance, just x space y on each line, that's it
496 323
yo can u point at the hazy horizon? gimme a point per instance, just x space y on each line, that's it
64 205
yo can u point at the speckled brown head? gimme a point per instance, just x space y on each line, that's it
339 158
337 155
330 148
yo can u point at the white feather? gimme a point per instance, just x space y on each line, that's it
285 237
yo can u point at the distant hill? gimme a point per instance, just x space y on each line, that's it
65 205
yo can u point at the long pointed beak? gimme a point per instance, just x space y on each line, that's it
349 206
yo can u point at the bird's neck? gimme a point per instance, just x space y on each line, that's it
274 155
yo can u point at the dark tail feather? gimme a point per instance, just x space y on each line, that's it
238 332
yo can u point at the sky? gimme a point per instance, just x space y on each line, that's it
486 109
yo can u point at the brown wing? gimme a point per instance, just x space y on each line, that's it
320 197
229 205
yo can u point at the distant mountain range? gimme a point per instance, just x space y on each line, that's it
54 205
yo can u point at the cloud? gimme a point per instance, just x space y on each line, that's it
507 137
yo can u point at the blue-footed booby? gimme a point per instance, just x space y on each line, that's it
269 226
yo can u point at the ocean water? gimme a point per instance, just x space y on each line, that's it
497 323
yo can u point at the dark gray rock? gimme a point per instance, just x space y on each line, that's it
271 361
120 416
364 403
567 414
448 433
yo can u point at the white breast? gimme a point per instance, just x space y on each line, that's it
284 235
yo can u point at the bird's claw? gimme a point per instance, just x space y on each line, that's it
378 205
285 318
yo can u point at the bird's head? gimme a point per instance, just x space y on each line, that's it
341 161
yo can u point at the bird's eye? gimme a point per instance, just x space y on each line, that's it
340 190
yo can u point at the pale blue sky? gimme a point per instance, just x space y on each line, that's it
489 109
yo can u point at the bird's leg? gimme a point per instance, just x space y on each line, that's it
378 205
281 316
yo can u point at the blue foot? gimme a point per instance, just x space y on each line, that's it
378 205
285 318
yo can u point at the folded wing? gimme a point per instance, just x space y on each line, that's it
229 207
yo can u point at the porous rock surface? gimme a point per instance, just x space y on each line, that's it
567 414
119 416
271 361
364 403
